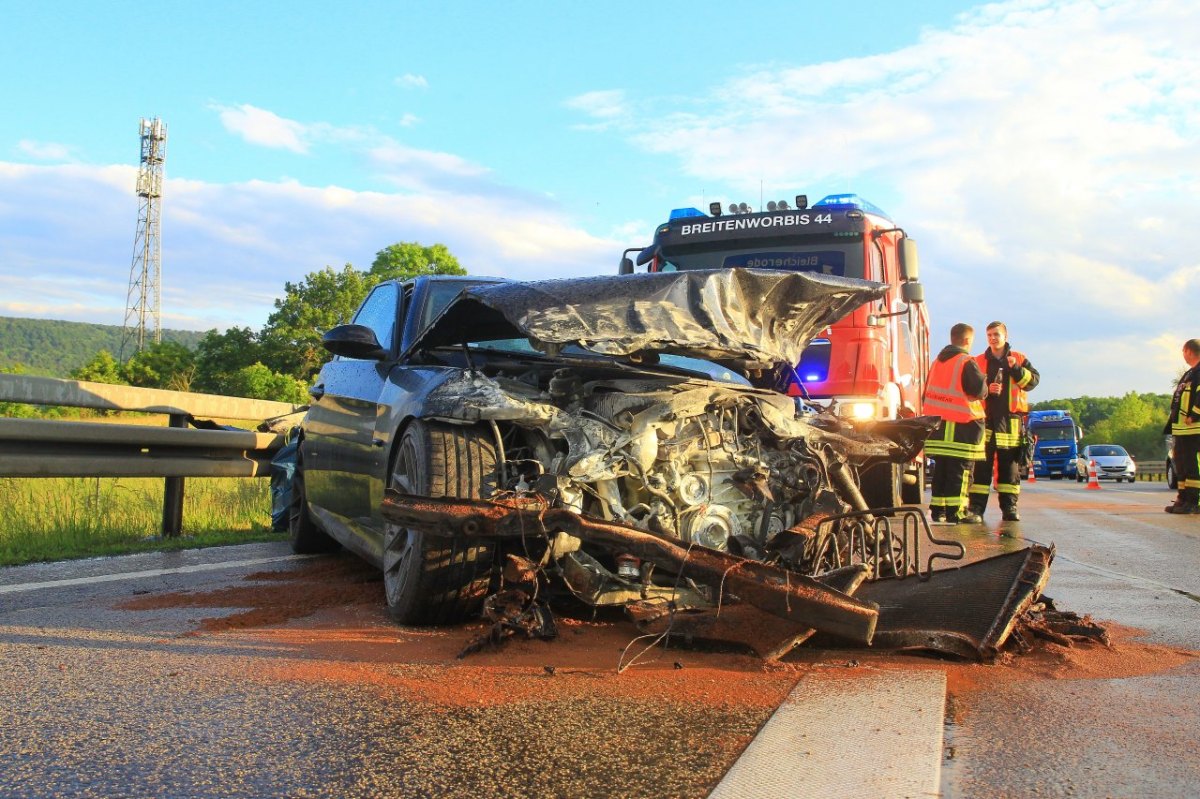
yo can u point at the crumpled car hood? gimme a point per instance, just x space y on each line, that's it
757 315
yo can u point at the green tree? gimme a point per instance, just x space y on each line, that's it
219 355
164 365
102 368
259 382
408 259
1135 422
291 339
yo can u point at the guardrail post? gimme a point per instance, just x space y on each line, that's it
172 518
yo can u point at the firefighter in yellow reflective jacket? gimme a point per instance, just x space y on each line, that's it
1009 375
1184 425
954 391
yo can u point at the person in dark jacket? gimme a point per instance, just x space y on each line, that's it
1184 424
1009 375
954 391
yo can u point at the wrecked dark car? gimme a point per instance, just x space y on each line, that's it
619 440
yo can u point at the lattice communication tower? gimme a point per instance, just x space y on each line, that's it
142 306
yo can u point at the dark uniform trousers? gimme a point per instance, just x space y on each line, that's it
1186 457
954 447
1002 453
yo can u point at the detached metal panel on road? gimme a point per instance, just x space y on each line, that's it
847 736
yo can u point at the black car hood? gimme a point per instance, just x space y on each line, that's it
743 314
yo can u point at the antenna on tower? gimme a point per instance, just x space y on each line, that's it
142 305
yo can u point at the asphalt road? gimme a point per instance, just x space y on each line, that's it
247 672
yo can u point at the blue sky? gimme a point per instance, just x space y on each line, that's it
1044 155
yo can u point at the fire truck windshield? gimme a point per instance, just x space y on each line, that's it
843 258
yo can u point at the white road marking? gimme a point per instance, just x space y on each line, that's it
109 578
840 736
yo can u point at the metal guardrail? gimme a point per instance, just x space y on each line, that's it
45 448
1152 471
48 448
102 396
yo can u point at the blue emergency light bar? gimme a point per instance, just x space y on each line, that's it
686 213
851 201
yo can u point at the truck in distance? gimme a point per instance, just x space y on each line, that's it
1055 438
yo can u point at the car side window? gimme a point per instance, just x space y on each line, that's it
378 312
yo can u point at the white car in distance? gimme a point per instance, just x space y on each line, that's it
1112 463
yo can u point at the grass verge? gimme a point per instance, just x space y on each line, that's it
44 519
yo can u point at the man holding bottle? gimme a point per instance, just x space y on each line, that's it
1009 376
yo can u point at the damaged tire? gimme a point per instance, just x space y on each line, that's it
306 537
428 579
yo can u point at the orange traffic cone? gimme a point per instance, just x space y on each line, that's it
1093 482
1032 474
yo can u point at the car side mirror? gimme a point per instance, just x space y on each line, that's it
912 292
626 267
354 341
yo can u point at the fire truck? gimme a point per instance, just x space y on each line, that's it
870 365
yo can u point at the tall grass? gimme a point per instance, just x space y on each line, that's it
70 517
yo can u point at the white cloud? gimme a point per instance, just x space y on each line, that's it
411 81
66 238
392 156
607 107
388 159
44 151
265 128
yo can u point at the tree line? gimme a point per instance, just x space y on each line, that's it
54 347
276 362
1135 421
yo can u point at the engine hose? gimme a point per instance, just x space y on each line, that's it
843 483
657 492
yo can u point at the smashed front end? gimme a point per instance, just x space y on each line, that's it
707 508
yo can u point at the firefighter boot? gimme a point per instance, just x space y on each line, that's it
976 507
1008 508
1185 502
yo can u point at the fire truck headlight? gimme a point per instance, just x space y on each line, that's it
862 410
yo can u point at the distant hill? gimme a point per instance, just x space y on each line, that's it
54 348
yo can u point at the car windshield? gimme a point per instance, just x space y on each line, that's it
1107 450
440 294
697 366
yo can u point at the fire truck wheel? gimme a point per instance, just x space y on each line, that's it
881 485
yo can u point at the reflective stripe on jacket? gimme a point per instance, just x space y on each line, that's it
944 395
1018 399
1187 404
957 440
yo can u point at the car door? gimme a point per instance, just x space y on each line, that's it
341 453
